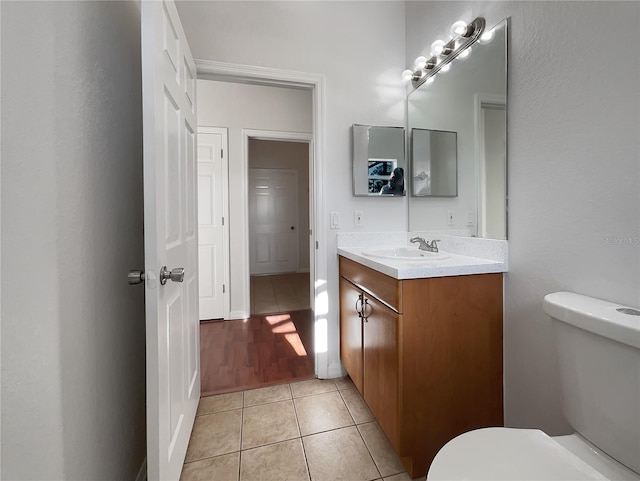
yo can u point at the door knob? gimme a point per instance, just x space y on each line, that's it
176 275
135 277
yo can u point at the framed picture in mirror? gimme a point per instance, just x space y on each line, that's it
378 161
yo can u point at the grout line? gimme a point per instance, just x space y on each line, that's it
369 451
304 451
271 443
348 410
266 403
295 412
209 457
241 430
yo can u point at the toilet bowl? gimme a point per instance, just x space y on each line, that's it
599 355
524 454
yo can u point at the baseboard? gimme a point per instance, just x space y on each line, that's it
238 315
336 372
142 473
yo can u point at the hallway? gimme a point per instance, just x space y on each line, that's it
279 292
256 352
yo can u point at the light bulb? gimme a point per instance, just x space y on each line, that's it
445 68
420 62
437 47
486 37
407 75
458 29
465 53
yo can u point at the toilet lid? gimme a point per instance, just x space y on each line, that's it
508 454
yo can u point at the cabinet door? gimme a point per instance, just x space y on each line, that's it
351 331
381 365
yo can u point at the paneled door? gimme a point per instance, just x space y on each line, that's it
170 238
212 222
273 221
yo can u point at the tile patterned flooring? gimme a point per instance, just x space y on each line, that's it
279 293
317 430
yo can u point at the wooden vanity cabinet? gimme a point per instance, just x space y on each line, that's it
351 332
426 355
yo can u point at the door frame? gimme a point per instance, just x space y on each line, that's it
282 136
224 132
213 70
479 101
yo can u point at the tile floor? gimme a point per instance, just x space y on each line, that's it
279 293
318 430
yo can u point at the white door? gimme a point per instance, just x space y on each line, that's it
172 324
212 223
273 221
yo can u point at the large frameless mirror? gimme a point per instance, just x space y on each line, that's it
470 101
378 161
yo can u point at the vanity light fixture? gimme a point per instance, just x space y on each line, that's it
486 37
463 35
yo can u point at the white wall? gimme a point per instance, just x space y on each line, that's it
73 366
359 49
267 154
242 106
574 174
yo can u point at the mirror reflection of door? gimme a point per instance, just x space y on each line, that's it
494 209
434 163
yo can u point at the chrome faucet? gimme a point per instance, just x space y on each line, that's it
424 245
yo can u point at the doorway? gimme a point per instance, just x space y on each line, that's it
278 226
248 350
275 343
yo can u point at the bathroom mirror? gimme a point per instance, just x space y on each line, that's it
434 163
470 100
378 161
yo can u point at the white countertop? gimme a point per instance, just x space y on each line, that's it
456 265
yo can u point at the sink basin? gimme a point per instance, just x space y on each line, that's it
406 254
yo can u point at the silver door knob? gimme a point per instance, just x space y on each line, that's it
135 277
175 275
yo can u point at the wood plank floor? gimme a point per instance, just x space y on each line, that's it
260 351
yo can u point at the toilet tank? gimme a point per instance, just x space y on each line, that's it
599 358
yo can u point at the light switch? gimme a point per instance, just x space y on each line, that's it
335 220
451 220
470 219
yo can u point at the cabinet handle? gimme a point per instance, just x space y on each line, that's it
359 299
365 316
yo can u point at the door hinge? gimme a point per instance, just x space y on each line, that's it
221 153
310 232
223 288
223 221
317 245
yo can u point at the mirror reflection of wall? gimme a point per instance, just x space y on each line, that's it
378 160
434 158
492 221
470 99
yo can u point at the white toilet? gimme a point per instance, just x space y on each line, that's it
599 356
